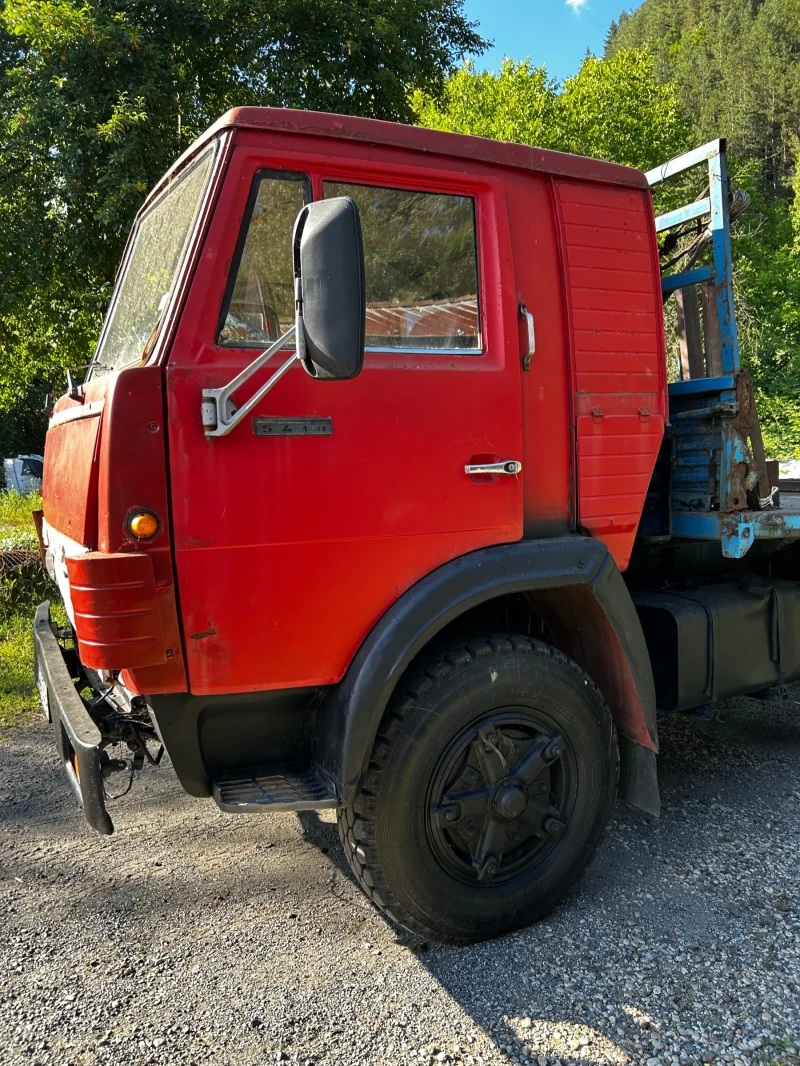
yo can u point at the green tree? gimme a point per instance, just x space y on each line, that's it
611 109
99 96
518 104
766 262
616 109
735 67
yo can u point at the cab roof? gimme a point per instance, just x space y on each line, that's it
419 139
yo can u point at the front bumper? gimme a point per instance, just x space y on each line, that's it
77 737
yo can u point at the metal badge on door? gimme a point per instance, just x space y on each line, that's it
293 427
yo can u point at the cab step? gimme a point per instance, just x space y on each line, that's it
284 787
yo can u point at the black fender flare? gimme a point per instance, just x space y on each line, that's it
355 708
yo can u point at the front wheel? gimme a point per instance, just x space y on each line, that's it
489 787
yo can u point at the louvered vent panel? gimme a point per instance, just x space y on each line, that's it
617 346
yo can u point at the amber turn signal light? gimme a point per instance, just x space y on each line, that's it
143 525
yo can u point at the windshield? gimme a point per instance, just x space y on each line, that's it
159 247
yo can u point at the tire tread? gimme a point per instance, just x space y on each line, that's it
356 823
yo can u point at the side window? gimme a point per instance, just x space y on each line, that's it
421 268
259 302
32 467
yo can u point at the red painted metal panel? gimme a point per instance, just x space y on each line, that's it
133 477
104 458
117 618
303 128
618 282
289 549
618 357
547 444
69 485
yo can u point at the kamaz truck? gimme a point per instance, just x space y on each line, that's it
376 497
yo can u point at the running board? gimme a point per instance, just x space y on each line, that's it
275 788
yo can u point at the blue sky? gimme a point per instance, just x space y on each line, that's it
555 33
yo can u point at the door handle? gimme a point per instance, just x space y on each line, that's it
507 466
526 359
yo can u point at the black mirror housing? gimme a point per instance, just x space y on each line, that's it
330 295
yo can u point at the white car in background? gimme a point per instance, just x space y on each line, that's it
24 473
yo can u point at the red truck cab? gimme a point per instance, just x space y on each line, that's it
389 583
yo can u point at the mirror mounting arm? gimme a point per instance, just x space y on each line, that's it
217 421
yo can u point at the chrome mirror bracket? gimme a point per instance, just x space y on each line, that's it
218 417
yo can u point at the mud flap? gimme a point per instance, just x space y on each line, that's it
638 780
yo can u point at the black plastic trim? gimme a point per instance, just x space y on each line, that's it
76 734
210 737
349 722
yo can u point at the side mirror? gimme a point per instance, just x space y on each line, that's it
330 295
330 302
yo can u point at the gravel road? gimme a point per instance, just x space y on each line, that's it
196 937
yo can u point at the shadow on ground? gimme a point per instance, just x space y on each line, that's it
194 936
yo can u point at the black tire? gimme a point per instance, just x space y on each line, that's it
455 733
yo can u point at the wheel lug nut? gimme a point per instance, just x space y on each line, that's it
553 749
554 828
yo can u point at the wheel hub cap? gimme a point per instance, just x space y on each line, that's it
509 800
500 797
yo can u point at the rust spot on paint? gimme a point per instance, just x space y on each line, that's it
197 542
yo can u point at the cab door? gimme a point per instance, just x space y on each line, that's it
296 532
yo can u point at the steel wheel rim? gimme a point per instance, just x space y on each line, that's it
519 818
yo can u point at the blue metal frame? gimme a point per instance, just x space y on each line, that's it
703 411
716 206
692 385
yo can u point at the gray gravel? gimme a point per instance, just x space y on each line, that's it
196 937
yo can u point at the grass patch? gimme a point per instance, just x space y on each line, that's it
19 699
16 524
23 585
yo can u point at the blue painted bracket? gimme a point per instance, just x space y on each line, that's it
714 205
736 531
687 277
